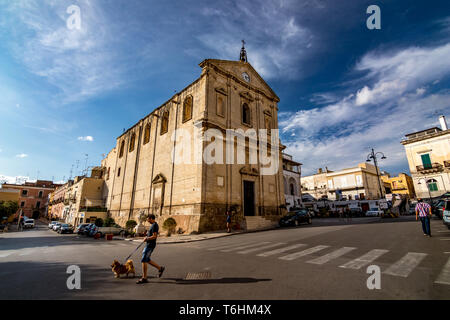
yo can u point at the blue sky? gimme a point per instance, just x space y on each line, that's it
343 88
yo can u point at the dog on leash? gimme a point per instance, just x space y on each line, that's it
126 268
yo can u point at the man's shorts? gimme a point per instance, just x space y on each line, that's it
147 253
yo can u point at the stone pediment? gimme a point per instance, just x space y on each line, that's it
248 170
237 69
159 179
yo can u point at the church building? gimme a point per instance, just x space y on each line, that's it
143 174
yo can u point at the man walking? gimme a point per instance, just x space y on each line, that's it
423 211
151 244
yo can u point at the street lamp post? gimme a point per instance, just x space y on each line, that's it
373 156
428 187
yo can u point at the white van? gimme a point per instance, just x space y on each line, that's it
28 223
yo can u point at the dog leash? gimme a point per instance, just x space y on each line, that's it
126 259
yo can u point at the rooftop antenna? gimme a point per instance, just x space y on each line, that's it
85 165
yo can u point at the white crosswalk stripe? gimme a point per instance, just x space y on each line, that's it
444 276
365 259
225 246
331 256
244 247
281 250
405 265
4 254
303 253
261 248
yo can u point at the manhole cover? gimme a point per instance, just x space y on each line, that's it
198 275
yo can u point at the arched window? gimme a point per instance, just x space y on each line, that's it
132 141
292 189
165 122
122 148
147 133
432 185
187 108
245 113
220 109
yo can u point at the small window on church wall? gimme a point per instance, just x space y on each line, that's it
220 110
147 134
122 147
245 114
132 141
187 109
268 124
165 122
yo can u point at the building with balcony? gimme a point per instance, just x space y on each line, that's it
356 183
402 184
291 177
428 154
84 201
33 199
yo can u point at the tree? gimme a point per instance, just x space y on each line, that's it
170 225
109 222
130 224
7 208
99 222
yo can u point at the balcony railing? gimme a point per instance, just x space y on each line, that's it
434 167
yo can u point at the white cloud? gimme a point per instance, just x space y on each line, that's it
22 155
340 134
398 72
276 41
13 180
80 63
86 138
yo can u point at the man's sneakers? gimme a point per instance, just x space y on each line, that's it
142 280
161 271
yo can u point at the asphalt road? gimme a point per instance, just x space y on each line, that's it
306 262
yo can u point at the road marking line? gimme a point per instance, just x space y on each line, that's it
245 247
269 253
261 248
6 253
444 231
306 252
405 265
224 246
26 252
364 260
444 276
445 239
330 256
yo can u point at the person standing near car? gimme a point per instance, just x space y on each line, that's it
423 211
228 221
151 245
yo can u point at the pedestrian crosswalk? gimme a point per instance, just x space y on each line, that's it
323 254
364 260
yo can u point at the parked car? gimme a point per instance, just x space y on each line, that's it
437 209
87 229
91 230
296 218
51 224
81 227
374 213
446 214
28 223
111 230
56 226
412 210
65 228
356 212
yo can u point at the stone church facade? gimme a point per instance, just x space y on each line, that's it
142 174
